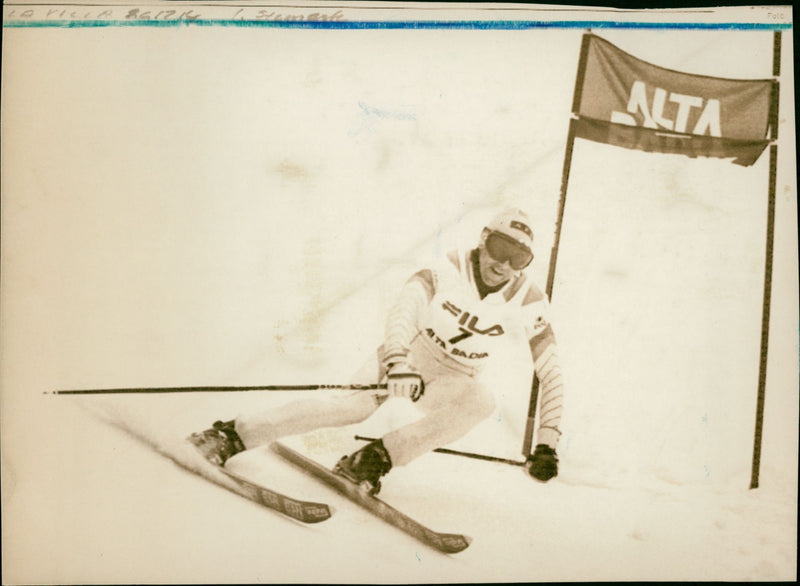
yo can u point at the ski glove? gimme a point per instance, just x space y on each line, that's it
403 380
543 464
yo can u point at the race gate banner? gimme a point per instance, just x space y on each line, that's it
627 102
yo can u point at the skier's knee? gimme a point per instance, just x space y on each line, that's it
480 405
487 405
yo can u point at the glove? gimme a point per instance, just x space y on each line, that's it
403 380
543 464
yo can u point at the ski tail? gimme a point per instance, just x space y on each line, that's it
302 510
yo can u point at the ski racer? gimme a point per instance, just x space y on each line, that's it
442 329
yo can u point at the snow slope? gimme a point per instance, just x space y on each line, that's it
178 213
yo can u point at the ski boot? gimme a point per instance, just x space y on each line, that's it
366 466
218 443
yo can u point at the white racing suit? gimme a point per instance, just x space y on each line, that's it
443 328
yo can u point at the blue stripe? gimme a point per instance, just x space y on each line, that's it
416 25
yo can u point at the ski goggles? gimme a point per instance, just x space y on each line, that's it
502 248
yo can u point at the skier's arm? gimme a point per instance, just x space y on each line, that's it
401 323
548 369
543 463
547 365
402 378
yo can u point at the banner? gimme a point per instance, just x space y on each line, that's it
627 102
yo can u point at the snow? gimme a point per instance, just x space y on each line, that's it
178 212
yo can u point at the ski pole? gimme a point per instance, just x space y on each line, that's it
209 389
459 453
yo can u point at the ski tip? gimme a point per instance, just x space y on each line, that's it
455 543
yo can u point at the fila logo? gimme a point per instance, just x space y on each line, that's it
676 112
468 324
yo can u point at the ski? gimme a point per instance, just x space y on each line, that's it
304 511
444 542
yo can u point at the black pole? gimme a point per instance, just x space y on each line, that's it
530 424
152 390
460 453
765 313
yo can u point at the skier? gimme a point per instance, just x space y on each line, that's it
442 329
